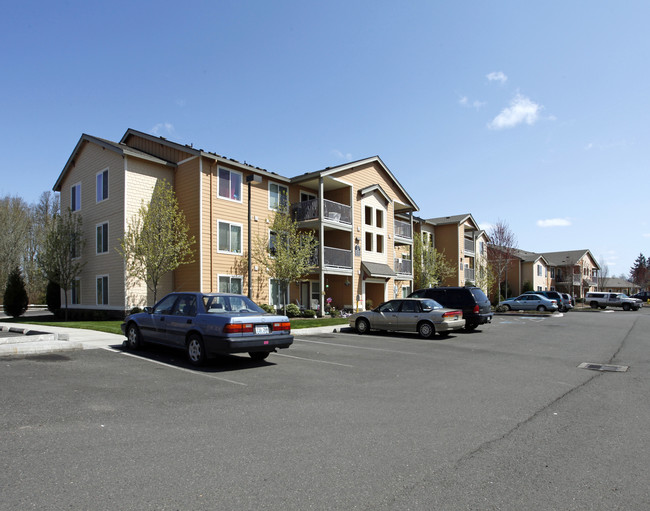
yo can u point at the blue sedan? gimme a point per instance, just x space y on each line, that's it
206 324
529 302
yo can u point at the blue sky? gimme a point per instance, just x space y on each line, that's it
531 113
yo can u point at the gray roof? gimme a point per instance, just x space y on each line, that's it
378 270
566 257
618 283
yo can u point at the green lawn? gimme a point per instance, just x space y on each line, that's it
113 327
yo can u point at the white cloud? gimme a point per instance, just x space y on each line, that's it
163 128
342 156
554 222
521 110
497 76
464 101
646 235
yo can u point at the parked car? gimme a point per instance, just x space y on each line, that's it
206 324
603 299
568 300
529 302
562 303
644 296
476 307
421 315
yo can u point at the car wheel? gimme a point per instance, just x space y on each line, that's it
507 307
134 340
426 330
258 355
626 306
541 308
471 326
594 305
196 350
362 326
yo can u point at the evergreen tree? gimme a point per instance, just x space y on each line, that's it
15 297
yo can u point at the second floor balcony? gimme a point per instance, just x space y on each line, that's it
333 211
469 247
334 258
403 230
403 266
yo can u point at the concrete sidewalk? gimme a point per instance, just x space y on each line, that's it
29 339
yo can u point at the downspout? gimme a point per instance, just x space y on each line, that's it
321 246
200 241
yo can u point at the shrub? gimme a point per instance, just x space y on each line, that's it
369 305
15 297
293 310
308 313
53 297
267 308
135 310
334 312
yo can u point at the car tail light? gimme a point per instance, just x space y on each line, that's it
283 326
476 309
451 314
238 328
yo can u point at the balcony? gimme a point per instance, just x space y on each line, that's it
403 266
338 258
403 230
470 274
469 247
334 211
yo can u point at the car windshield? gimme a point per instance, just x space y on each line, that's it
229 304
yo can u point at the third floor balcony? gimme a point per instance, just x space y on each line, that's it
334 212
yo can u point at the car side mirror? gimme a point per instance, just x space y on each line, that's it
148 310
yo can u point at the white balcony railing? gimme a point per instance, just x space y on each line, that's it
403 266
403 230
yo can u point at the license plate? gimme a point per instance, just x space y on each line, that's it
261 329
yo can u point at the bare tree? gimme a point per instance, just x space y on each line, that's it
603 274
501 250
14 234
42 217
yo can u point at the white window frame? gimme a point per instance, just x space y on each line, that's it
539 270
77 196
99 188
230 279
241 234
104 237
279 195
104 289
241 184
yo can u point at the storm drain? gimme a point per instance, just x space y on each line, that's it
603 367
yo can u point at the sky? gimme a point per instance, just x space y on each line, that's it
534 114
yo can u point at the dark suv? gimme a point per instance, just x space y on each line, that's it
562 303
476 307
643 295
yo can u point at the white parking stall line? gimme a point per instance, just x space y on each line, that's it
312 360
357 347
198 373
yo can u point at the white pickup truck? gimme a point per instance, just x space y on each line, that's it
602 300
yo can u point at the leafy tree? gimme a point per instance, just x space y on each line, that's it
15 296
286 253
53 297
58 258
501 250
157 239
430 267
14 234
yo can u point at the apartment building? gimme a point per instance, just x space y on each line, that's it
359 212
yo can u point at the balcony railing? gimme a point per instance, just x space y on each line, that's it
469 246
470 274
403 266
403 230
334 211
334 258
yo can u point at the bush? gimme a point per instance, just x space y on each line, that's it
293 310
308 313
15 297
334 312
53 297
267 308
135 310
369 305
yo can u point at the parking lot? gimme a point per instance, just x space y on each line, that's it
499 418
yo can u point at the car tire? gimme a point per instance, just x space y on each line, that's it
507 307
541 308
133 337
426 330
362 326
471 326
594 305
258 355
626 306
196 350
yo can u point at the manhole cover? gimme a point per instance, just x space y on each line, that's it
603 367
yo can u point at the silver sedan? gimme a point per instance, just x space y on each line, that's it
529 302
421 315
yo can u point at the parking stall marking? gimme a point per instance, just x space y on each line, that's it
312 360
357 347
178 368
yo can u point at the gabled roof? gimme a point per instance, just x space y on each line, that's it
454 219
528 257
617 282
568 257
331 171
375 188
120 149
